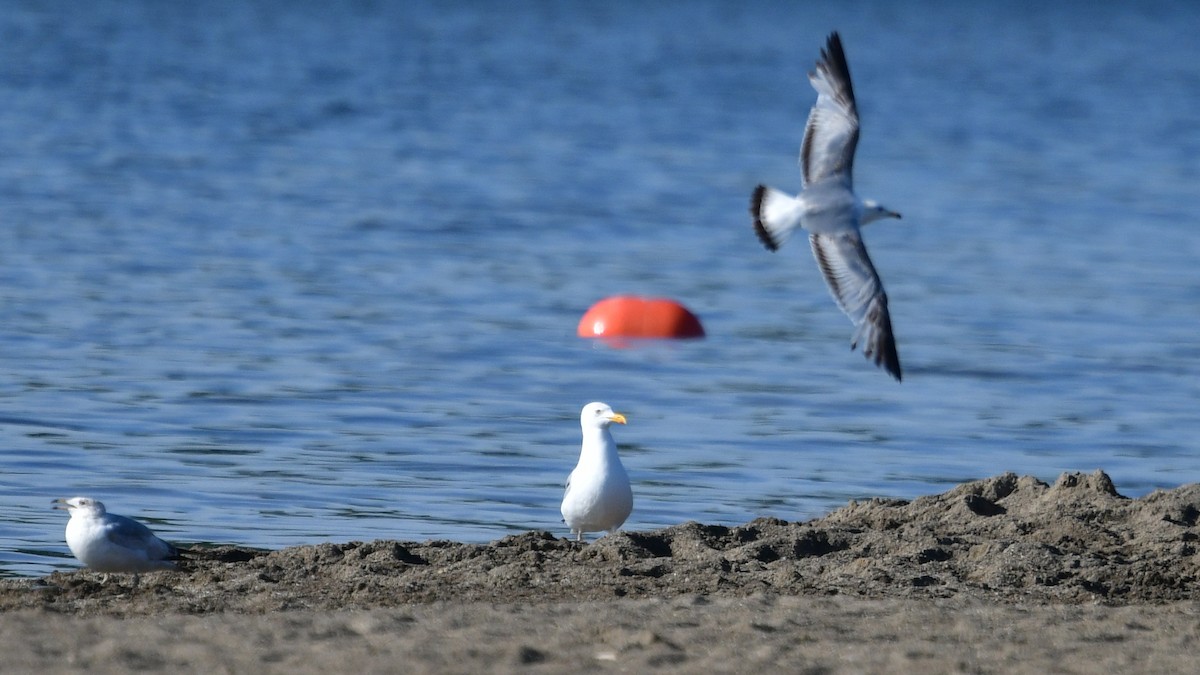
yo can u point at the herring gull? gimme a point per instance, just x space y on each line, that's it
598 495
106 542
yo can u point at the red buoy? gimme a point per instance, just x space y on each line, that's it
630 316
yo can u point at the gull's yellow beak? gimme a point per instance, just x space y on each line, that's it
618 418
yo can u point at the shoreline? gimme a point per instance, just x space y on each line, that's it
955 581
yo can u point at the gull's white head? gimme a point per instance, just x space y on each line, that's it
873 211
598 416
80 505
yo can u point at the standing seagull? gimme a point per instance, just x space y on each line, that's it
828 208
107 542
598 494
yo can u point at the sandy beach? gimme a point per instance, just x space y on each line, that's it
1006 574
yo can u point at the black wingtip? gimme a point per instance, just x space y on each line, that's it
756 201
880 347
833 47
833 57
890 362
886 356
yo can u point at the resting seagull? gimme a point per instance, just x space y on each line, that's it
598 495
828 208
106 542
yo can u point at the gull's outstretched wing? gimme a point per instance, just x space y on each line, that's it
831 134
856 287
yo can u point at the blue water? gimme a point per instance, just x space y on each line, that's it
283 273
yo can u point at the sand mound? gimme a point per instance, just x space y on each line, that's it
1006 538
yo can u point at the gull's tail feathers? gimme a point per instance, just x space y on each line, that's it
776 216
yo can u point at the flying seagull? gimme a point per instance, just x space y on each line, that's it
828 208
